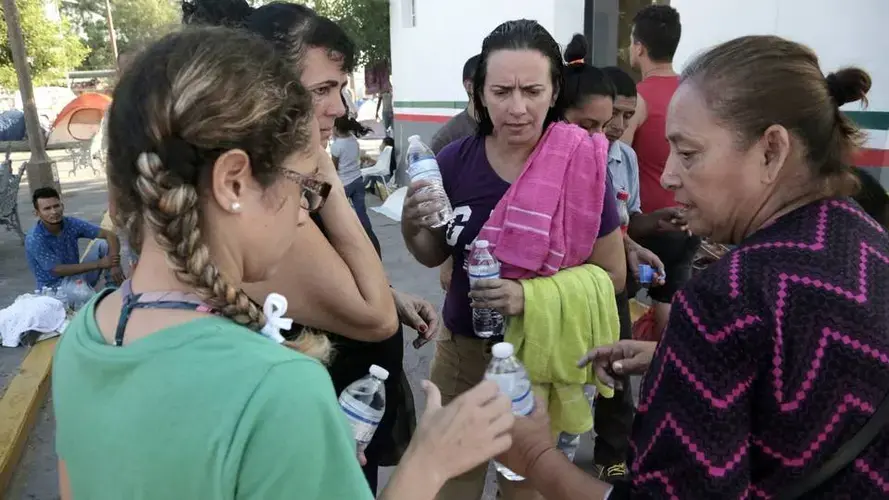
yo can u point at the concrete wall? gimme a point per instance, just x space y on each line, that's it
842 33
432 41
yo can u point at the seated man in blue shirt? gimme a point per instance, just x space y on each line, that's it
52 249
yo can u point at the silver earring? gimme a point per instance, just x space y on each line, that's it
236 207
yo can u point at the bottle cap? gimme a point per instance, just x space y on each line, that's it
413 138
502 350
379 372
482 244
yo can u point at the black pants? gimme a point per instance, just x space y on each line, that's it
614 417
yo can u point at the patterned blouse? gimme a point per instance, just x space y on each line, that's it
773 358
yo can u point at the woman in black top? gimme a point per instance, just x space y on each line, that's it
356 301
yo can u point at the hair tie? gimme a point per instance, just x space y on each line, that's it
576 61
274 309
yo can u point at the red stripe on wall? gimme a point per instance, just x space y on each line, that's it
873 158
866 157
422 118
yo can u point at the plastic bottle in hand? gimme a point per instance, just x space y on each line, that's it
513 381
364 403
568 444
623 198
422 166
483 265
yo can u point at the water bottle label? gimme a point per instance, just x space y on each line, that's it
425 169
517 389
363 419
473 277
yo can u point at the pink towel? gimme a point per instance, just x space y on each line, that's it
549 218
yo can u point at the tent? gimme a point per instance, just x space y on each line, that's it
79 120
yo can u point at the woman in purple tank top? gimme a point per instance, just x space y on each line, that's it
518 83
775 361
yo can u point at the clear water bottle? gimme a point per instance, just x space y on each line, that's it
513 381
623 198
482 265
422 166
364 403
568 444
75 293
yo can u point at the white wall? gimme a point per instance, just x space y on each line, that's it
841 32
427 60
568 17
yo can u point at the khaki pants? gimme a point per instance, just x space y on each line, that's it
458 365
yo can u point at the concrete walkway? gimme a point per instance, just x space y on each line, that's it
86 197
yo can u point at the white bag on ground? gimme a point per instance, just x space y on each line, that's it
30 312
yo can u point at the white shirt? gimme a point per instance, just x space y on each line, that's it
348 153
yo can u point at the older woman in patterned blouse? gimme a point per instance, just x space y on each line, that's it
777 354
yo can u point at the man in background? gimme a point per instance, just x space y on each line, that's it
465 122
655 37
52 247
461 125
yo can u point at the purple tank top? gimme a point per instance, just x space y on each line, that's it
474 189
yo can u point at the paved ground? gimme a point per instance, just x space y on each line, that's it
85 197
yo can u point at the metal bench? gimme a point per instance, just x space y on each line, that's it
9 195
81 156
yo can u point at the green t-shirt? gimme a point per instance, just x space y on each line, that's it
202 410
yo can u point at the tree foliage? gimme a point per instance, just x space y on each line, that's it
366 22
136 23
53 47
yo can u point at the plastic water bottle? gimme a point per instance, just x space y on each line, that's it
75 294
623 210
364 403
422 166
513 381
483 265
568 444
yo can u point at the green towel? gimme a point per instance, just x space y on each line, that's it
566 315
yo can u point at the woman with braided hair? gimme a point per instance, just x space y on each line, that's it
174 386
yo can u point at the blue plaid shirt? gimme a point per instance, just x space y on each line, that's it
45 250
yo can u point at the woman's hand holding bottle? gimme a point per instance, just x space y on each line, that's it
504 296
471 430
420 206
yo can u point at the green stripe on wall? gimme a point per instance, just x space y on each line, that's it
874 120
431 104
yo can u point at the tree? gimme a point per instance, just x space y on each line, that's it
136 23
53 46
366 22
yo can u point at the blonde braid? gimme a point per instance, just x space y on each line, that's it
171 210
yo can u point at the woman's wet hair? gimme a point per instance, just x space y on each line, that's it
754 82
583 81
522 34
293 28
184 101
347 124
